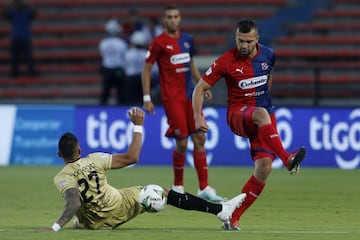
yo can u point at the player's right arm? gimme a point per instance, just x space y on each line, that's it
146 87
197 103
137 116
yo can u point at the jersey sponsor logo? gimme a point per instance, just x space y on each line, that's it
180 58
254 94
184 69
253 82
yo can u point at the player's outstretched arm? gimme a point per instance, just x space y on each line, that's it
137 116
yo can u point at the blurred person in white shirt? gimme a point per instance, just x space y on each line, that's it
135 60
152 28
112 49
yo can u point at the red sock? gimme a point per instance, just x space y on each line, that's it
178 168
270 135
252 188
201 168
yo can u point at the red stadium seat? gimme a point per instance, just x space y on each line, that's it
337 13
318 40
326 26
130 3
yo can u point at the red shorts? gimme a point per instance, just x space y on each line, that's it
180 118
241 123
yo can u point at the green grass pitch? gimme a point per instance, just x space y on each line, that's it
318 203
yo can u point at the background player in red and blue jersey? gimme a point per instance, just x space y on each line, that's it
173 51
246 69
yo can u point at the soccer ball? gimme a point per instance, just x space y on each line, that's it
153 198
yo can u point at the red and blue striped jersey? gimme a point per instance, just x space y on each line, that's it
173 58
246 78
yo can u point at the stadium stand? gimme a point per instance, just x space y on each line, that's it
320 59
67 32
316 44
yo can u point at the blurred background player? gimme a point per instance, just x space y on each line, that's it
246 69
96 204
152 28
173 51
112 49
20 15
134 60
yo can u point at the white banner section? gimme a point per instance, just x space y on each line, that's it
7 121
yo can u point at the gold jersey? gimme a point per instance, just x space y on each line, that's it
102 206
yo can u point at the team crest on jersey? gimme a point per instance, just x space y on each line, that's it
186 44
264 66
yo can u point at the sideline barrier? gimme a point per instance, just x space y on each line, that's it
30 133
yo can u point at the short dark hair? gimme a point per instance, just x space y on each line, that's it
171 7
67 145
245 25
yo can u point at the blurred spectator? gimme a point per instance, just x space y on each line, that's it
20 15
152 28
135 61
132 23
134 58
112 49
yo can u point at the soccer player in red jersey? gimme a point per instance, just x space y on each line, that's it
246 69
173 51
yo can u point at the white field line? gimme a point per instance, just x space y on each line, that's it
196 231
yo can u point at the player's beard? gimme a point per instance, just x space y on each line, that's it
172 28
244 52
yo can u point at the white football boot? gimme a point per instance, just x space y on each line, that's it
229 207
209 193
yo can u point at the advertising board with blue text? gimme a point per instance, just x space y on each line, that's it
330 135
